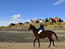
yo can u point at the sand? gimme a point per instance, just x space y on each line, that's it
44 45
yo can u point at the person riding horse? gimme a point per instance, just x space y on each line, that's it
41 28
44 34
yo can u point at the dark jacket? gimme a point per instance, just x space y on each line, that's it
41 26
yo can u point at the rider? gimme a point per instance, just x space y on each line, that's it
41 28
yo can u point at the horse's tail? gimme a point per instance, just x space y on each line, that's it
55 35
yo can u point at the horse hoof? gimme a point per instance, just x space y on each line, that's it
54 45
48 46
38 46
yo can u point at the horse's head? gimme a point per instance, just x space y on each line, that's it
30 27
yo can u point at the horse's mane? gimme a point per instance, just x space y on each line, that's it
34 27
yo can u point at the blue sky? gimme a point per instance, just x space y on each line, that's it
23 10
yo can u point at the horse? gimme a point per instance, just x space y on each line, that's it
45 34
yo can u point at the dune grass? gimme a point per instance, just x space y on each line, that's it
49 25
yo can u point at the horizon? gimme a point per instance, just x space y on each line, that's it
24 10
30 21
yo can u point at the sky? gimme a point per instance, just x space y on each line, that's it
14 11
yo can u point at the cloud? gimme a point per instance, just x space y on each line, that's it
59 2
13 19
17 16
4 23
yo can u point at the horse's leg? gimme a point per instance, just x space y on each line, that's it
34 42
39 42
50 43
53 42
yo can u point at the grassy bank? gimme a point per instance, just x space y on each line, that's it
48 25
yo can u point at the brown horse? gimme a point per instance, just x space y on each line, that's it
43 34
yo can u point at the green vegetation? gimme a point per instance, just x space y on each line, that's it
49 25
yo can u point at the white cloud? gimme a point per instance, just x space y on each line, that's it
17 16
13 19
4 23
59 2
16 21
